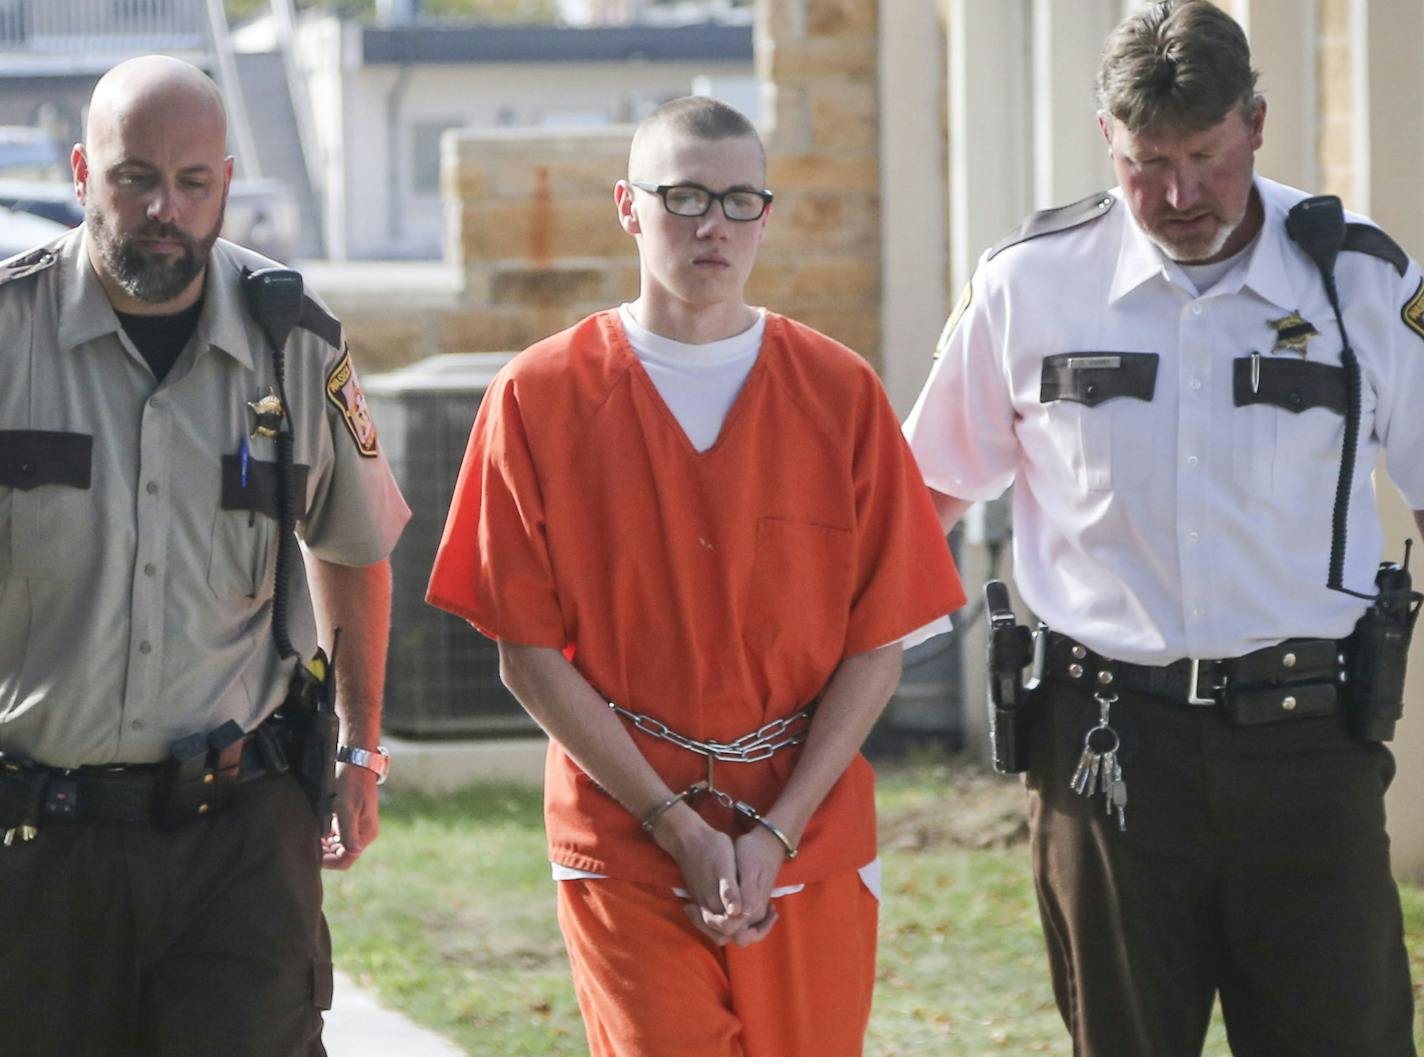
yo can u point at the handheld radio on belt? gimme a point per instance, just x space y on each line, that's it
1379 647
275 298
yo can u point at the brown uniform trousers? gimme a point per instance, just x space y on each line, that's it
1255 866
120 940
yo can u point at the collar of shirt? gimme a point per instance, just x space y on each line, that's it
1267 269
85 312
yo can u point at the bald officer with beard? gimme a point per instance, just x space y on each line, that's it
139 413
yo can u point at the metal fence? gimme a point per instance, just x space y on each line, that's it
69 26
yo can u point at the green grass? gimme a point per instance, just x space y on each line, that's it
450 918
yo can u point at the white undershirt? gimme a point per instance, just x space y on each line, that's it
698 383
1205 276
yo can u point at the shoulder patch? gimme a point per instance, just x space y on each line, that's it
1413 311
320 322
343 389
1366 238
30 263
954 317
1061 218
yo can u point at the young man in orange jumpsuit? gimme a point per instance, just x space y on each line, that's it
703 513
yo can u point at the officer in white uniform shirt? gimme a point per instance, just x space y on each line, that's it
1158 369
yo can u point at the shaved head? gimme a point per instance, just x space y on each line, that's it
697 117
152 81
693 267
153 175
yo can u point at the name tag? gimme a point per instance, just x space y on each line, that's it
1089 363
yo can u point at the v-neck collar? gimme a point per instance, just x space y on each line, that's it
618 341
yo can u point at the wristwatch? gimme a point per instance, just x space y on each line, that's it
378 761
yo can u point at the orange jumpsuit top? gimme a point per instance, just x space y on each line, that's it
713 591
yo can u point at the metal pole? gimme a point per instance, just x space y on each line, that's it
226 60
312 146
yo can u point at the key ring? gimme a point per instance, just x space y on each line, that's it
1098 744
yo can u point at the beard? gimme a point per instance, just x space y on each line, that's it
1199 248
144 276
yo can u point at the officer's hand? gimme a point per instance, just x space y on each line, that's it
709 870
759 860
357 818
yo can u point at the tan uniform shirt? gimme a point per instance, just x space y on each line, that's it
136 557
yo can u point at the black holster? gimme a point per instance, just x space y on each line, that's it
1010 651
308 725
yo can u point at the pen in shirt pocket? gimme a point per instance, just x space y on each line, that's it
243 454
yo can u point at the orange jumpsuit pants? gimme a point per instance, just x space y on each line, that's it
649 985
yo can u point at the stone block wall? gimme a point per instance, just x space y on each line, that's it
821 261
534 233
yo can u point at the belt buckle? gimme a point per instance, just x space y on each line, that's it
1194 687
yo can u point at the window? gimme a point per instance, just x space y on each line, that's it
140 9
425 154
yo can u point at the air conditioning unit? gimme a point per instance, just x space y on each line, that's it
442 678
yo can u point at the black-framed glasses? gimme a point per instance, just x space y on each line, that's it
693 200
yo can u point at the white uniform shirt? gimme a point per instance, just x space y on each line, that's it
1183 525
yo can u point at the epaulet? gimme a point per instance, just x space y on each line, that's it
1366 238
30 263
320 322
1048 221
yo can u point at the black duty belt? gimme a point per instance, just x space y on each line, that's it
32 793
1298 677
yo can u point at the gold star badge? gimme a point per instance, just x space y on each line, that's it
1292 333
269 412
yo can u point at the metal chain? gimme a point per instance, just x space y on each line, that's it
761 744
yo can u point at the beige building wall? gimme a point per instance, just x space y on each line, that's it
1370 152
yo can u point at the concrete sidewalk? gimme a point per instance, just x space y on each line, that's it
359 1026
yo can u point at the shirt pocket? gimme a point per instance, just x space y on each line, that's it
45 493
244 540
1291 423
1098 407
798 605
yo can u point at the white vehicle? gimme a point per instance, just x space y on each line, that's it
24 231
261 214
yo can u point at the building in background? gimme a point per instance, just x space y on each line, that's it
53 51
657 12
383 93
341 155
